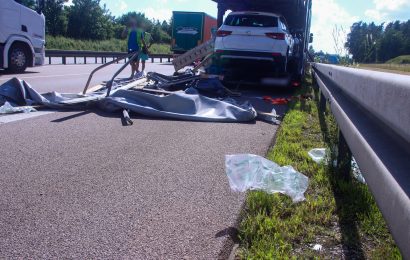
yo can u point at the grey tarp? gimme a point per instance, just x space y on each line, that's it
178 105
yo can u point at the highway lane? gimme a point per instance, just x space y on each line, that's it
72 78
81 185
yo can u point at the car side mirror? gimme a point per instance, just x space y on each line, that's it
311 38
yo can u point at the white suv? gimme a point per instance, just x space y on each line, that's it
254 39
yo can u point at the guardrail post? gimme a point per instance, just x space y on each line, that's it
322 102
85 60
49 60
64 61
160 59
95 60
75 60
169 59
344 157
152 59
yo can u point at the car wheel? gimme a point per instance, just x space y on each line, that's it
18 58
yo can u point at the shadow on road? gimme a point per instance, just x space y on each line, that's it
6 73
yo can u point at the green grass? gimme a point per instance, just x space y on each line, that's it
339 214
405 68
404 59
62 43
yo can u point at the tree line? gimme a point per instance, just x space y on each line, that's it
89 20
371 43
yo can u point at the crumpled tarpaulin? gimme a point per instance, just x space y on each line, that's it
189 105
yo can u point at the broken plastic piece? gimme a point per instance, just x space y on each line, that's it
252 172
127 117
7 108
317 154
269 117
357 174
317 247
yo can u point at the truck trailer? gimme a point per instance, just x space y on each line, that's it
190 29
22 35
297 14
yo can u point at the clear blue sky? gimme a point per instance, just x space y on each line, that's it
327 13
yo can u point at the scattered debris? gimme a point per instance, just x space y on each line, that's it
318 247
184 102
318 154
276 101
252 172
7 108
269 117
357 174
127 117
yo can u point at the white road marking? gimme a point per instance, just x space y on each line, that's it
22 116
50 76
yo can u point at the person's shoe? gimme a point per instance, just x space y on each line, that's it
137 75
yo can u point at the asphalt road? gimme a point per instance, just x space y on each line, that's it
81 185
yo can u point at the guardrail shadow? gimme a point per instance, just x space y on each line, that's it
346 204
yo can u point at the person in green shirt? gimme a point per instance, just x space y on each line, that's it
136 42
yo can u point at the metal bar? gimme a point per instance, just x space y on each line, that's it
49 60
109 83
101 67
379 152
384 95
64 60
85 60
75 60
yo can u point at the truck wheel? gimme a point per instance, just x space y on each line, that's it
18 58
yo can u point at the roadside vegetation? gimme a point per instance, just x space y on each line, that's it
89 25
62 43
405 68
339 214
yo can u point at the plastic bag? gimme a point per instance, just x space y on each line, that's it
7 108
252 172
317 154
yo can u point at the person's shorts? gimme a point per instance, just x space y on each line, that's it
141 56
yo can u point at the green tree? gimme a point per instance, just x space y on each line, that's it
29 3
88 20
56 17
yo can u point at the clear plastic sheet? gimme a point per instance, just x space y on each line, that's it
253 172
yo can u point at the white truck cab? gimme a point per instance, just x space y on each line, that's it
22 36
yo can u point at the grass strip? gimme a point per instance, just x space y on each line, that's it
339 214
116 45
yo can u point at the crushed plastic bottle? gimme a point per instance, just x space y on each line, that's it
252 172
7 108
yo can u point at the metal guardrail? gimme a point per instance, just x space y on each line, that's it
372 110
97 55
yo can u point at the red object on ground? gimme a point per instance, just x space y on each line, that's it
276 101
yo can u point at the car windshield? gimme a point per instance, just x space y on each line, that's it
251 20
